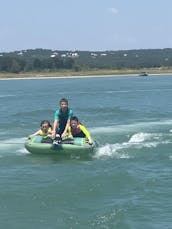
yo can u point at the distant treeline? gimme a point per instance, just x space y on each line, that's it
50 60
17 65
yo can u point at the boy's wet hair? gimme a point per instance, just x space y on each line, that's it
74 118
45 122
63 100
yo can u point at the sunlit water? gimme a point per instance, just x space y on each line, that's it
125 184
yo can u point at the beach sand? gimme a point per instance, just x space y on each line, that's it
83 74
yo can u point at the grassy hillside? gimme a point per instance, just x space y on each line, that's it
45 60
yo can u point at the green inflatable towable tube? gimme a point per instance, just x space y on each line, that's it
74 146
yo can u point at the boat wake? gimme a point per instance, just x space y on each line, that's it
12 146
134 127
120 141
136 142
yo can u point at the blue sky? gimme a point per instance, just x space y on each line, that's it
85 24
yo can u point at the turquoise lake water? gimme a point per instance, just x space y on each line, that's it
125 184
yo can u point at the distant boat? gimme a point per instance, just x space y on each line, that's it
143 74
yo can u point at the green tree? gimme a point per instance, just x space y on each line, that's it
69 63
37 64
15 66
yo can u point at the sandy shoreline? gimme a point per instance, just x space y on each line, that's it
58 75
63 77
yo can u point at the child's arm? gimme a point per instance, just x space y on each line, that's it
56 123
35 134
87 134
55 127
66 128
68 123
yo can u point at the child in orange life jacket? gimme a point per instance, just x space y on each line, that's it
76 129
45 131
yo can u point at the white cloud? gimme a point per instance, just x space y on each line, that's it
113 10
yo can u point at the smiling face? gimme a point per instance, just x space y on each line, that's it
45 127
64 106
73 124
